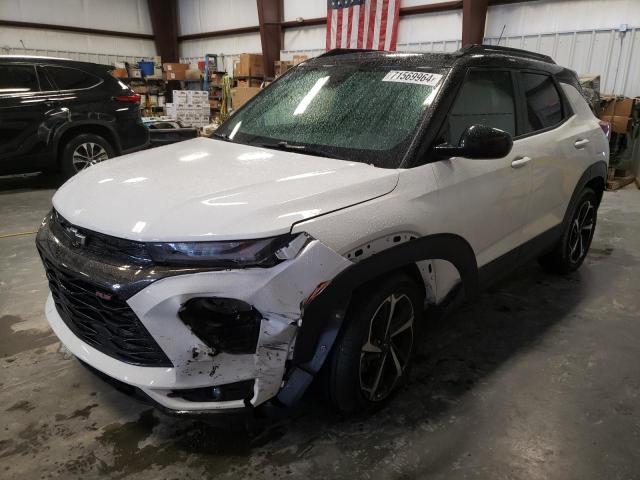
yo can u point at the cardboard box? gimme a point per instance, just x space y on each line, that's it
191 74
174 67
197 96
624 107
249 82
120 73
299 58
281 66
617 106
241 95
590 81
619 124
249 64
175 75
180 96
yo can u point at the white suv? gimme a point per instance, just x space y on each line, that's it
317 223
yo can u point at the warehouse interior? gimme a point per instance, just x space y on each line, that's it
536 378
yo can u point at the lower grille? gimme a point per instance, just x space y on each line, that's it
107 323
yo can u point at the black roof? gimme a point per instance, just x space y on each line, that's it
53 61
469 56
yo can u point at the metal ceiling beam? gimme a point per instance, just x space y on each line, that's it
270 17
73 29
164 21
474 18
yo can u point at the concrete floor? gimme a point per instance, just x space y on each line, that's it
540 379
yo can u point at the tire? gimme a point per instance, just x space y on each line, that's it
367 365
571 250
83 151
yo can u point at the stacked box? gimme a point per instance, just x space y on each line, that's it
618 112
248 64
190 107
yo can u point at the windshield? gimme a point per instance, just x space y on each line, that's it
354 112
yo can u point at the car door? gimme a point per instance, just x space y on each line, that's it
484 201
560 148
22 109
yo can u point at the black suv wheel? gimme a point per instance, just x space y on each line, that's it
83 151
572 248
370 359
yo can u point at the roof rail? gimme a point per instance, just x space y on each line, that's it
516 52
343 51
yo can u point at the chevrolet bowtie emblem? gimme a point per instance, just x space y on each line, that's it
77 239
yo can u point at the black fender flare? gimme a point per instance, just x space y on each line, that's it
595 170
333 299
60 130
323 317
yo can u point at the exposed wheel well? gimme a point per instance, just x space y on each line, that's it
411 270
104 132
597 185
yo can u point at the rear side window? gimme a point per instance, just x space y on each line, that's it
71 78
45 83
487 99
18 79
544 107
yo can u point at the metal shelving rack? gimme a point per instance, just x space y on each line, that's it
208 58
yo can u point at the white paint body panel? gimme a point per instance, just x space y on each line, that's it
205 189
277 293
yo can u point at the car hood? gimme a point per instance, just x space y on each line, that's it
205 189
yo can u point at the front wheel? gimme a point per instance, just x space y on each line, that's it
371 357
82 151
571 250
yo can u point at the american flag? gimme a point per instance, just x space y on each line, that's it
371 24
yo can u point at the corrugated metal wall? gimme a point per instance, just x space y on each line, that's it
605 52
120 15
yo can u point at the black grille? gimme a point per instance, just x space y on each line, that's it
106 247
107 324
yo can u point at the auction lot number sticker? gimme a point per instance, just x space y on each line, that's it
420 78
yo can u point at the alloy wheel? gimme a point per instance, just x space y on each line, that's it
581 231
87 154
385 354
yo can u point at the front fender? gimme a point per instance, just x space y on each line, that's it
323 317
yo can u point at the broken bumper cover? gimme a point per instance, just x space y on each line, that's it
277 293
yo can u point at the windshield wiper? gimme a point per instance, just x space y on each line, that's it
283 145
222 136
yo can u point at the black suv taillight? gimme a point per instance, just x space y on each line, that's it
129 98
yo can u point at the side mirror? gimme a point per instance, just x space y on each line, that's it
479 142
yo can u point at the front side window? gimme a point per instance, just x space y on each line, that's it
544 107
71 78
354 112
18 79
486 98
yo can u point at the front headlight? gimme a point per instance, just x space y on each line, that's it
264 252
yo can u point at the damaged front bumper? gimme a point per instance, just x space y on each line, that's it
195 376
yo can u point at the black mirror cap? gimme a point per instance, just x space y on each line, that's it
479 142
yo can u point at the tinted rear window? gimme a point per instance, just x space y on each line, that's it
544 108
18 79
71 78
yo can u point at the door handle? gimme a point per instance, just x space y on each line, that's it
520 162
581 143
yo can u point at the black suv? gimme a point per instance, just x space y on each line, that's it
59 114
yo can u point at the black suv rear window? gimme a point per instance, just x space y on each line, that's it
544 107
18 79
71 78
